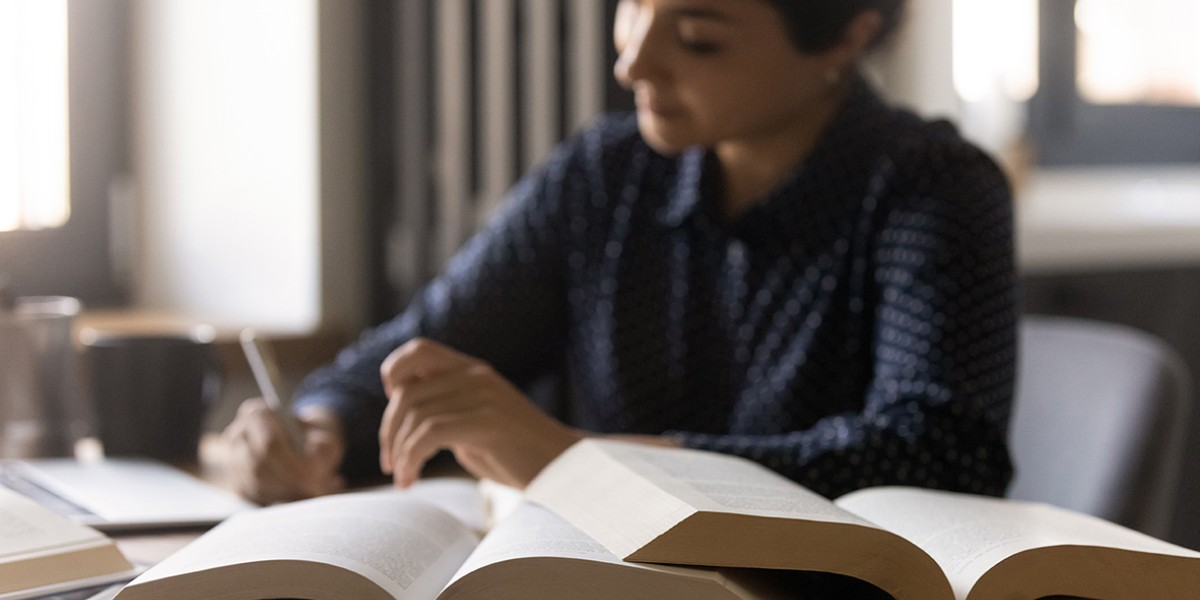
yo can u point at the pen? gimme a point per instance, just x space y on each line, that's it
266 375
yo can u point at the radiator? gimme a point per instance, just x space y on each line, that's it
486 89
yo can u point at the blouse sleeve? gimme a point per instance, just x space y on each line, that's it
944 346
501 299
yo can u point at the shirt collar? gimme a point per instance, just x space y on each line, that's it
683 198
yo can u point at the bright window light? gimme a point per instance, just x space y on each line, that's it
1139 51
995 49
34 173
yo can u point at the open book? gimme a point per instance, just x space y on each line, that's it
422 544
43 553
678 506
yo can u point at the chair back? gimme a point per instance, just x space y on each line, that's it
1099 421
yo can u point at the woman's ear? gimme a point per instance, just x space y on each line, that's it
856 38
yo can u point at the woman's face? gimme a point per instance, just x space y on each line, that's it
707 72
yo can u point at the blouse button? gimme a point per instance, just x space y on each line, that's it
735 255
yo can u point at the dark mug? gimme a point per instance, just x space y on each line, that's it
151 392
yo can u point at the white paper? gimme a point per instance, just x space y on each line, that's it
406 546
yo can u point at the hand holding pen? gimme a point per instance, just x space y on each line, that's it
273 454
266 374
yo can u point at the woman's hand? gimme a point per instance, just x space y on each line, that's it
440 398
266 467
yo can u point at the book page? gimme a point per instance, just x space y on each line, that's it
605 498
627 495
533 531
724 483
27 527
967 535
460 497
407 547
678 506
41 551
501 500
463 498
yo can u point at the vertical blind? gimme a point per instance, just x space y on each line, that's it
485 90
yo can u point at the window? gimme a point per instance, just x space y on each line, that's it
1145 52
995 49
59 197
1119 82
995 72
33 114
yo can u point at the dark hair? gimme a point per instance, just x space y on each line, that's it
818 25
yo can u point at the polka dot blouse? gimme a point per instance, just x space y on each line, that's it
854 328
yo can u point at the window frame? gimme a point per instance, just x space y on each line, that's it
80 258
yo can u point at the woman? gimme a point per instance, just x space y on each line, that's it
766 261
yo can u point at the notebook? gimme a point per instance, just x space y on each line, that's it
121 494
